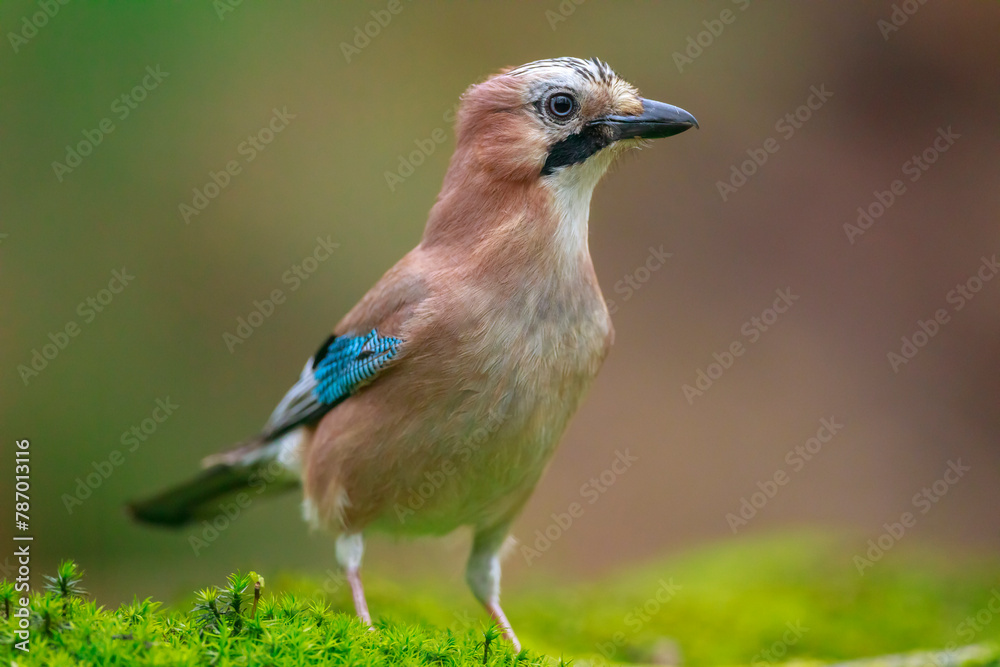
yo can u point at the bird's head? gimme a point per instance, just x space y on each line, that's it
532 142
539 120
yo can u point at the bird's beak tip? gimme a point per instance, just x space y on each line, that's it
656 120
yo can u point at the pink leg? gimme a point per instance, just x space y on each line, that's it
483 575
496 613
350 549
358 593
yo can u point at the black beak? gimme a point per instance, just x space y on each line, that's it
656 120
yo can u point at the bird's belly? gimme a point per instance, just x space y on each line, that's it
482 466
481 479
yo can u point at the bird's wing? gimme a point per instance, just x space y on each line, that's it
363 344
341 366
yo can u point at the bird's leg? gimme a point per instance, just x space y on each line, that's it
350 549
483 575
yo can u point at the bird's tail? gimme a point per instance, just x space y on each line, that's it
240 476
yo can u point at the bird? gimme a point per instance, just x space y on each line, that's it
439 399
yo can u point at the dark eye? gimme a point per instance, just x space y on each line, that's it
561 105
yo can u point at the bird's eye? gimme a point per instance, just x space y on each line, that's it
561 106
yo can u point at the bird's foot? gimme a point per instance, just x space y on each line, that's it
496 613
358 593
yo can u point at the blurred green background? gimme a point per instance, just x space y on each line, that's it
325 175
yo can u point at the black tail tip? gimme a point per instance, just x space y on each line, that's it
153 514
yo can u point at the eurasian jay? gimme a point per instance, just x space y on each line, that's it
440 397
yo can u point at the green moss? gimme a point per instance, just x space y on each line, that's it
778 599
796 599
233 625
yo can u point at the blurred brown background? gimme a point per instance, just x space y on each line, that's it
324 174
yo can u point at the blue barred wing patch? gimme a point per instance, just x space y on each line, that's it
350 363
342 365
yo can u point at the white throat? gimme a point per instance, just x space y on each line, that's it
571 189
